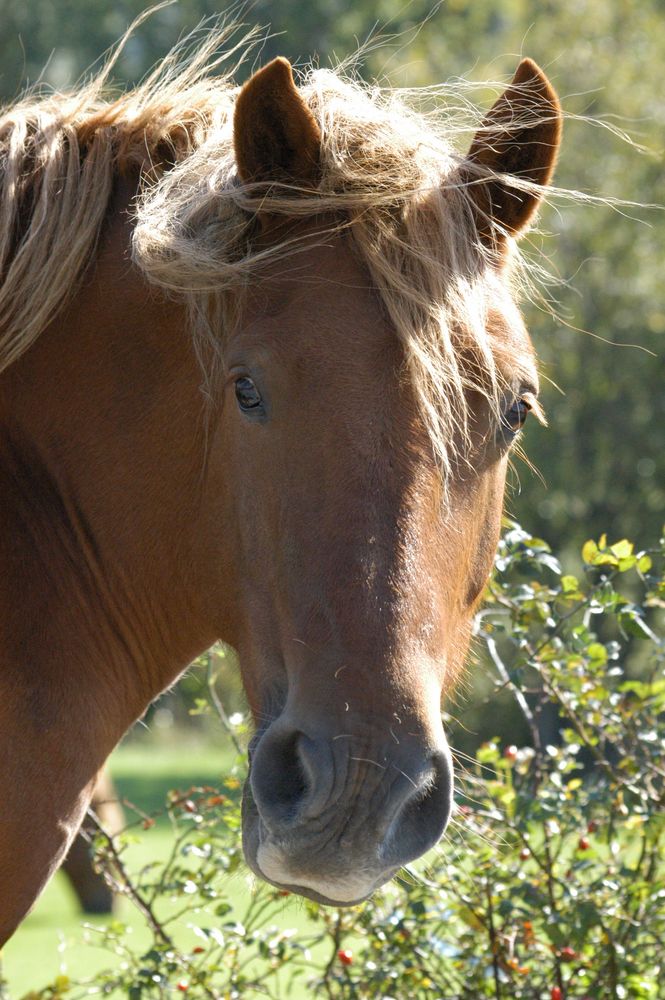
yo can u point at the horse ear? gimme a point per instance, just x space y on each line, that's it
275 135
520 137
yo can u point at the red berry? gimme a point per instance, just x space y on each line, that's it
592 826
555 993
510 753
198 950
345 956
525 853
216 800
583 844
182 986
567 954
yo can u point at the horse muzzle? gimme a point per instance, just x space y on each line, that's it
333 818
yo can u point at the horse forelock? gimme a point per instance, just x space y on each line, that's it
390 180
59 155
390 175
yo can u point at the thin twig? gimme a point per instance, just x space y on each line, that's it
127 887
517 693
219 708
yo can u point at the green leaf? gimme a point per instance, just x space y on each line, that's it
632 623
622 549
589 551
597 653
644 564
488 753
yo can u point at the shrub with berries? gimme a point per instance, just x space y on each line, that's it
554 885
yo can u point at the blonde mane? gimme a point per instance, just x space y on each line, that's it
390 175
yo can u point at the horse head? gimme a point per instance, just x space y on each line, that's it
361 550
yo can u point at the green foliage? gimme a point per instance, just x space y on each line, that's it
553 883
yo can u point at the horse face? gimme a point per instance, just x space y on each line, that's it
356 579
359 573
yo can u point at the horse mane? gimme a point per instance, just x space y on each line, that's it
390 177
60 152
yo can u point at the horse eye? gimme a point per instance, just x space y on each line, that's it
516 416
248 396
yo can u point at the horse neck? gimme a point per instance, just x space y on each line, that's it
101 436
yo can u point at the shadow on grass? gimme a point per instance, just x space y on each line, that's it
145 774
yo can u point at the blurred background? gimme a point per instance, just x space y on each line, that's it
600 465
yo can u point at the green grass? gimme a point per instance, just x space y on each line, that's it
56 939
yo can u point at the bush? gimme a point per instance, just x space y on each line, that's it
552 884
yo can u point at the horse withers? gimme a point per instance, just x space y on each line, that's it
261 372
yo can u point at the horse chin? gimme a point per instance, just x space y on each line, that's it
269 862
329 889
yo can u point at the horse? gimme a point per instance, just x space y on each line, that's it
262 366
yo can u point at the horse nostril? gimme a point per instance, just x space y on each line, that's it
278 777
299 791
288 775
424 816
